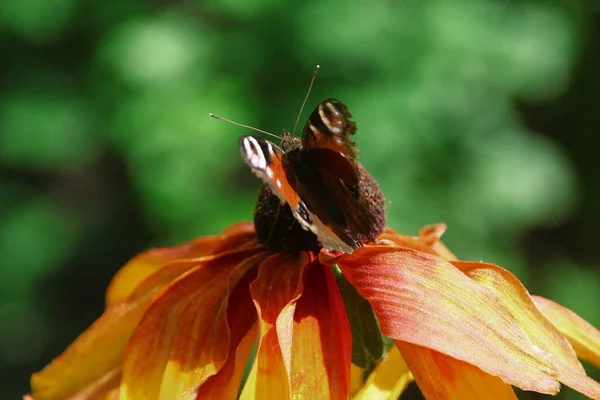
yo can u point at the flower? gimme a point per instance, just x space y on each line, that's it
185 322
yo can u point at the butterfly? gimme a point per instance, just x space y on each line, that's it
318 176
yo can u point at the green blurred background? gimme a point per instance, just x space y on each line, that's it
481 114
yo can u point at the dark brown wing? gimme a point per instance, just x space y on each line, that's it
329 126
328 183
340 177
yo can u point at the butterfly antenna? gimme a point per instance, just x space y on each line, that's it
215 116
306 97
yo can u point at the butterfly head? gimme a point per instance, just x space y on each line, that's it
290 142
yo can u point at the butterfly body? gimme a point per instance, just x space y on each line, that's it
318 177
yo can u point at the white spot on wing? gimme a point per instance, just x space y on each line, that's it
254 154
332 108
334 129
255 157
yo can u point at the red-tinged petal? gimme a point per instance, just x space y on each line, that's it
226 383
584 337
71 374
423 299
277 287
240 313
542 332
388 380
184 338
445 378
146 263
322 341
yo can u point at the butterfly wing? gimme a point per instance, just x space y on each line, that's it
328 184
329 126
327 174
340 177
266 160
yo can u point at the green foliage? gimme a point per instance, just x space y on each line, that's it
105 108
45 131
37 21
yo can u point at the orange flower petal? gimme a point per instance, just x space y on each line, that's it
542 332
184 337
146 263
357 378
445 378
388 380
322 342
423 299
102 388
113 394
276 287
105 393
104 342
584 338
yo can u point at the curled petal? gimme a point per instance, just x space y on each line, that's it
428 240
584 338
276 288
422 299
394 238
388 380
431 235
445 378
146 263
185 337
